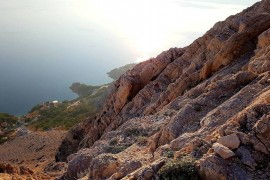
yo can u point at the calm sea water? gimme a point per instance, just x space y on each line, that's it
47 45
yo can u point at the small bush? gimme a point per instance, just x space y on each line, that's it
168 154
3 139
115 149
141 140
197 107
113 142
10 121
182 169
54 117
135 132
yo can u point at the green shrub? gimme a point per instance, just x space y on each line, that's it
113 142
3 139
66 114
10 121
169 154
115 149
141 140
182 169
197 107
134 132
59 116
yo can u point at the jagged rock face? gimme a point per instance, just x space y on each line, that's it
184 101
117 107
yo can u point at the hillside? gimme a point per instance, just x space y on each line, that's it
31 156
8 123
64 115
28 144
61 115
117 72
198 112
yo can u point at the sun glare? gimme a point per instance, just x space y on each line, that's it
151 26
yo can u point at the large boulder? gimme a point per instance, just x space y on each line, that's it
223 151
212 167
231 141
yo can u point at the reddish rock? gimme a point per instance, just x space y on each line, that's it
223 151
183 100
231 141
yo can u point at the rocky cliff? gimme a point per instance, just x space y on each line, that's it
202 111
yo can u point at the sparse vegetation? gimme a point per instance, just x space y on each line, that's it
169 154
3 139
7 125
141 140
197 107
113 142
134 132
8 121
61 116
65 114
115 149
8 135
182 169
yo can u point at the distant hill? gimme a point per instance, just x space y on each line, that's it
117 72
82 89
65 114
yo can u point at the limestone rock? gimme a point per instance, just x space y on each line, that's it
212 167
223 151
79 165
244 138
231 141
127 168
21 131
103 166
262 129
258 145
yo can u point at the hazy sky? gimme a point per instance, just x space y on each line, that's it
45 45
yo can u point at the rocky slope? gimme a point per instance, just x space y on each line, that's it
207 106
28 144
31 156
